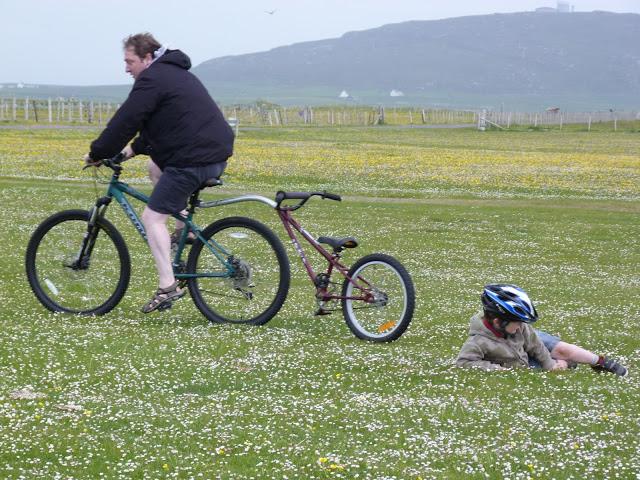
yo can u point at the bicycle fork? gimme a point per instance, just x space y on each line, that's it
83 258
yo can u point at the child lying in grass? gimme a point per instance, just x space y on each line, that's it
501 337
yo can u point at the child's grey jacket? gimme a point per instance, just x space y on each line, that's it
486 350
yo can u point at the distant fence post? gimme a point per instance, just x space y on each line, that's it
26 108
482 121
234 123
35 109
49 110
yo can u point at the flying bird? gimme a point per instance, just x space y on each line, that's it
270 12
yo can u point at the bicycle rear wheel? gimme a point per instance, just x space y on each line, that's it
391 298
64 283
255 291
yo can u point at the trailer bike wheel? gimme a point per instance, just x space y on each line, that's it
379 299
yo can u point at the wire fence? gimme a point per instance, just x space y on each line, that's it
347 116
57 110
89 112
553 117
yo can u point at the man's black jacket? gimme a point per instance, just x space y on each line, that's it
179 123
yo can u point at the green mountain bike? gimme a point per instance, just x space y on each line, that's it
237 270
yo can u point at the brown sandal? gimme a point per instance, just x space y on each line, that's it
164 298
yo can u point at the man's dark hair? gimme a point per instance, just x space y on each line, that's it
141 43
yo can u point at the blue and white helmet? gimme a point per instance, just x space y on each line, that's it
508 302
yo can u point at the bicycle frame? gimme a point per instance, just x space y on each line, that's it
119 190
290 224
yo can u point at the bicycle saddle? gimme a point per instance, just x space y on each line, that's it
339 244
212 182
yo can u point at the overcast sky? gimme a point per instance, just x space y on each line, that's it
78 42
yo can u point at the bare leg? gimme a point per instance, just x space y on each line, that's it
154 172
573 353
154 175
160 244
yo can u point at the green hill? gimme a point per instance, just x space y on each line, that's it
576 58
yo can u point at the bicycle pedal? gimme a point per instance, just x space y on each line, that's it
322 311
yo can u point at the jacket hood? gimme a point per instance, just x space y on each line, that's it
175 57
477 326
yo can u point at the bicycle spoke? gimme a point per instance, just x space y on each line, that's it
218 294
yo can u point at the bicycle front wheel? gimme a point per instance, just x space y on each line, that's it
255 288
378 304
61 281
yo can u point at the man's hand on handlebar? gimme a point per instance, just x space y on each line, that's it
128 152
90 162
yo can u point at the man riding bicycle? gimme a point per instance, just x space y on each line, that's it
183 131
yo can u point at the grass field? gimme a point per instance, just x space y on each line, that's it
169 396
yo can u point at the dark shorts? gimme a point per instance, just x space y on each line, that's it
171 193
549 341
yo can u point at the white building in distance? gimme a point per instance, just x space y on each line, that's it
563 7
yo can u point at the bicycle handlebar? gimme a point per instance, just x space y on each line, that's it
304 197
332 196
113 162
